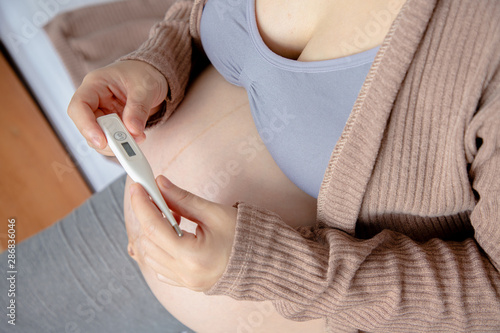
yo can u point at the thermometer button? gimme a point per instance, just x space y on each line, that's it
120 136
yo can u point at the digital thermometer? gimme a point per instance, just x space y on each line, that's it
134 162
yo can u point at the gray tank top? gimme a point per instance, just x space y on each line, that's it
299 108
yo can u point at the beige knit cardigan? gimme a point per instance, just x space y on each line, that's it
408 219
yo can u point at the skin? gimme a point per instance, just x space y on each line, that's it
236 167
218 118
132 89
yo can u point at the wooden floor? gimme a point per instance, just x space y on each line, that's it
39 184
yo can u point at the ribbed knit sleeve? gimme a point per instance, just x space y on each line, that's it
170 48
388 283
408 233
483 150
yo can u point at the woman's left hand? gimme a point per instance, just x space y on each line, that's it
192 261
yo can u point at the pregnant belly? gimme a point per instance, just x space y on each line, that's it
210 147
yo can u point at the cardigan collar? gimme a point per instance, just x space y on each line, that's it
354 156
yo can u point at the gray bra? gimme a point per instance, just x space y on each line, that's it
299 108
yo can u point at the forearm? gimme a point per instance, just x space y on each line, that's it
388 282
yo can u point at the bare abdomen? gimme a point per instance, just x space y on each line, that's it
210 147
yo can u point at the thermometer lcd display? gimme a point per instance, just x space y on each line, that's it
128 149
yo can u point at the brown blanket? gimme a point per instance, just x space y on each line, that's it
95 36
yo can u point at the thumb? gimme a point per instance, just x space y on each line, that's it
136 111
185 203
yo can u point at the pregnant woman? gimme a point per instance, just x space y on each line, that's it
335 168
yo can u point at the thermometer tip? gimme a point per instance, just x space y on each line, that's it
177 230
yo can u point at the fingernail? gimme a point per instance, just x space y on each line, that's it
96 140
93 138
161 277
164 182
130 250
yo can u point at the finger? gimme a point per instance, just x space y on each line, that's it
177 217
132 251
162 272
185 203
81 110
148 248
137 110
157 259
164 279
153 225
106 151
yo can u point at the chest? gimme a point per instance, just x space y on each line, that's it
299 108
324 29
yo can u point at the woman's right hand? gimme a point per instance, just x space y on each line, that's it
133 89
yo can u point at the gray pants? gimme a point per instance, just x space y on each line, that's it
76 276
